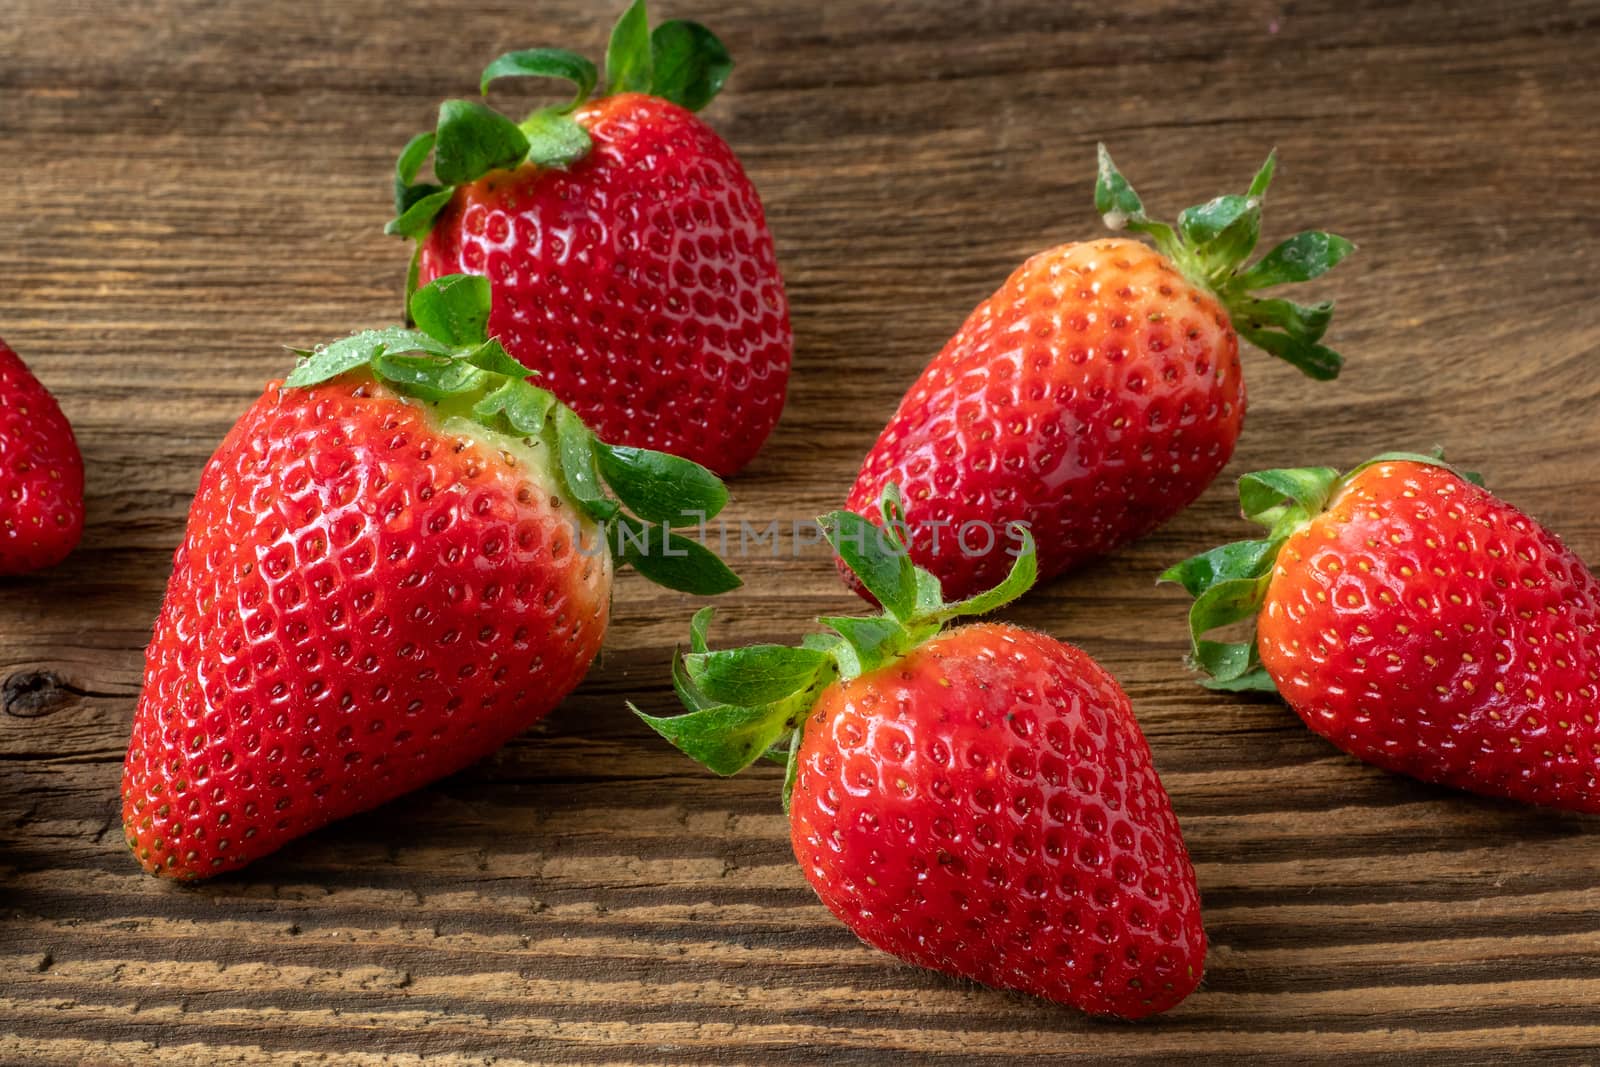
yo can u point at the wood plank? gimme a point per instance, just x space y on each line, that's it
192 186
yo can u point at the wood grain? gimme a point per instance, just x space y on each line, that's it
191 185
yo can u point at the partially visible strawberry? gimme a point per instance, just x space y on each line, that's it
396 561
41 473
1418 622
632 265
1099 391
978 800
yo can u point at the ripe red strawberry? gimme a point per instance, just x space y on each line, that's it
1098 392
629 252
41 473
395 562
1418 622
979 801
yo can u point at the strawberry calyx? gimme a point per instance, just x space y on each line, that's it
450 363
1210 246
747 703
679 60
1229 583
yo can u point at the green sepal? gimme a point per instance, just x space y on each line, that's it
417 220
473 140
1309 358
877 558
700 628
724 738
1024 572
545 63
454 310
358 350
575 442
670 559
450 362
517 407
406 190
1299 259
754 674
492 356
864 644
1241 558
1223 604
740 702
1211 245
1222 232
555 139
791 767
1256 680
1263 178
1308 322
1266 497
689 64
435 378
682 684
629 60
1121 209
659 487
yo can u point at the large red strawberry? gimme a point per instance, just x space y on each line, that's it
1418 622
629 252
41 473
977 800
396 560
1099 391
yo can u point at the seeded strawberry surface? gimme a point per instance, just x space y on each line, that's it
1095 395
363 602
640 283
986 806
1426 626
41 473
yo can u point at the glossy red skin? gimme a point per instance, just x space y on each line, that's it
1428 627
987 807
362 603
41 473
641 283
1094 396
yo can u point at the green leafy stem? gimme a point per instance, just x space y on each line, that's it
1211 245
1229 583
680 61
450 362
744 704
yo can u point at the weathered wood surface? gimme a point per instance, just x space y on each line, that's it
190 185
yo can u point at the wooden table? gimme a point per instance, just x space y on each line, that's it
189 186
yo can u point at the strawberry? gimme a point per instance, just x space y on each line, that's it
41 473
1098 392
629 252
396 561
1415 620
977 800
